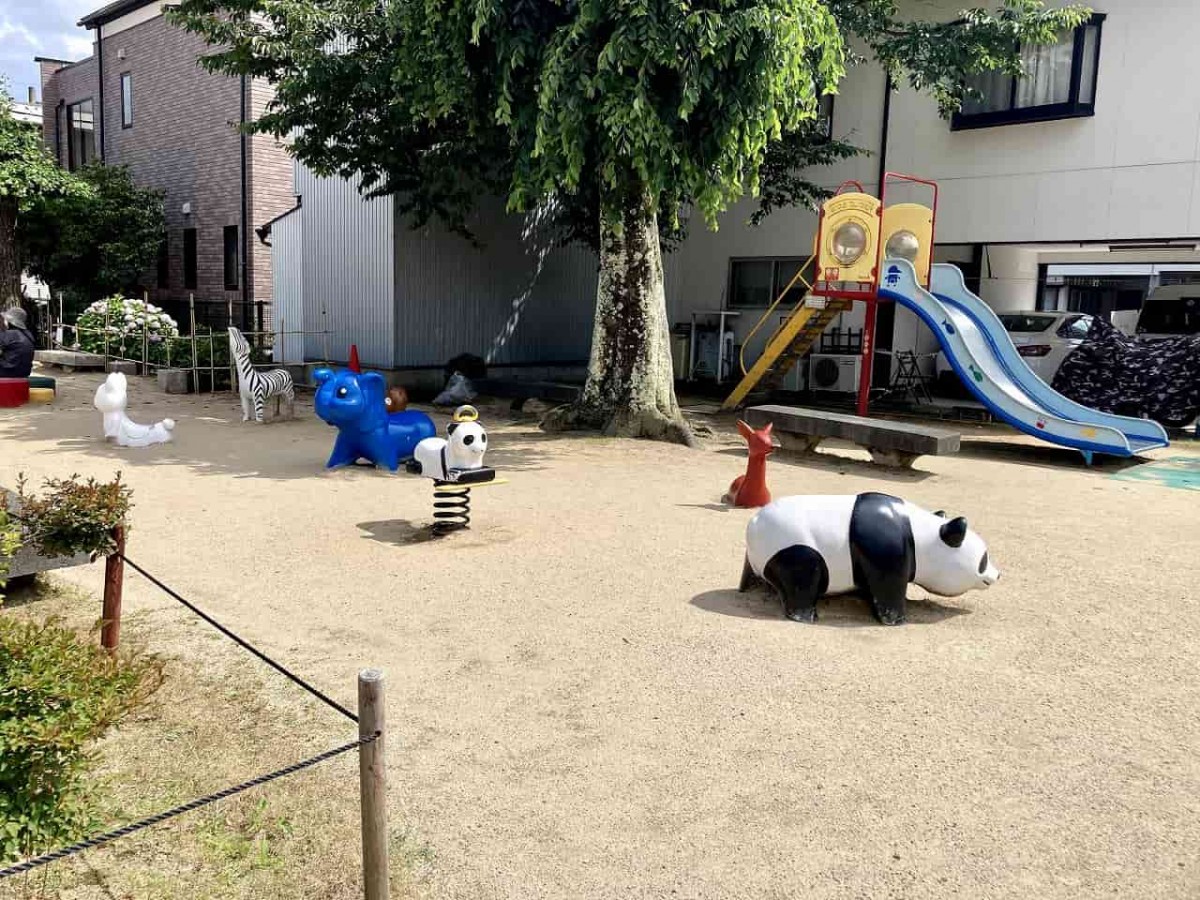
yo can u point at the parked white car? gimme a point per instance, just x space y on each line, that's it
1171 311
1043 338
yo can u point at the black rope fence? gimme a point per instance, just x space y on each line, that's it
106 837
333 704
100 840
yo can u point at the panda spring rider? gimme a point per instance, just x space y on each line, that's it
807 547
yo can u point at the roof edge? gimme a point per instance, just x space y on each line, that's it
106 14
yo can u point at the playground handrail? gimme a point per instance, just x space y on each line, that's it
759 324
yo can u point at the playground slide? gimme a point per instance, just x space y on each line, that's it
947 284
978 348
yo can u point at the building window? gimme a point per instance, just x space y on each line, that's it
231 257
164 262
189 257
1060 83
81 127
126 100
756 283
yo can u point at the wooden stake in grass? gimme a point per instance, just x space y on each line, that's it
114 581
372 778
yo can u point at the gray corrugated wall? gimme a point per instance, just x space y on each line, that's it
514 301
287 276
348 273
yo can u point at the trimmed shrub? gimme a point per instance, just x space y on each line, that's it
59 693
73 516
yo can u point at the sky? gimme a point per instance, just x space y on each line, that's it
30 28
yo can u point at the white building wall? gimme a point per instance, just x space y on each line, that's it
1130 172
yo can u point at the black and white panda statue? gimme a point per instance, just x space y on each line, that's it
807 547
445 459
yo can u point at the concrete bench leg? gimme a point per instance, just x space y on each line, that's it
897 459
798 443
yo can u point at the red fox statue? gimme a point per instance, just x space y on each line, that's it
751 489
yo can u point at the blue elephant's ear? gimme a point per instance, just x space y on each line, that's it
320 376
372 385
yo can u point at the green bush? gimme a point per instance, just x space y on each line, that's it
10 540
124 327
59 693
73 516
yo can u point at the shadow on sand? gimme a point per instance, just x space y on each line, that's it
841 611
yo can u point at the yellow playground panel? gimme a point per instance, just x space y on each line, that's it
855 233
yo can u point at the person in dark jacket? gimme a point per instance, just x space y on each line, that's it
16 345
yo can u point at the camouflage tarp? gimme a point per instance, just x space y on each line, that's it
1115 373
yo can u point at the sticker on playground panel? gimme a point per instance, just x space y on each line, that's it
1176 471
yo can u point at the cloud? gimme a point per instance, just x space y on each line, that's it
30 28
10 30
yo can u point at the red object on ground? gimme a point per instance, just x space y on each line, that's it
354 366
751 489
14 391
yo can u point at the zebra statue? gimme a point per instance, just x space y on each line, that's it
258 387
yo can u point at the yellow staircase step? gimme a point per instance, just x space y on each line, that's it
789 343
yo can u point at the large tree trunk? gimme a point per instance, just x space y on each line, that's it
10 266
630 388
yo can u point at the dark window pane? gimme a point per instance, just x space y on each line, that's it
825 115
785 271
164 263
996 88
231 257
1023 324
750 283
1174 315
81 145
189 257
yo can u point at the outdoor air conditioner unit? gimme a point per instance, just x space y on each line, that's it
834 372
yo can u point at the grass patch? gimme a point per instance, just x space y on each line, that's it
219 718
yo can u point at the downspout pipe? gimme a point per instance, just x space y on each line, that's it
100 70
243 235
888 86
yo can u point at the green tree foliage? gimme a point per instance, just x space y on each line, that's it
96 243
607 113
59 693
28 174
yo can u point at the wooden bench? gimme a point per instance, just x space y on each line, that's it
520 391
889 443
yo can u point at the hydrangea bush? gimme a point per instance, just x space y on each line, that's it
127 321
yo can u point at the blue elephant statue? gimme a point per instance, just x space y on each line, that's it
353 402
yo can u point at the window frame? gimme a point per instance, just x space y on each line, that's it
126 78
1073 108
191 273
231 276
73 165
775 262
163 263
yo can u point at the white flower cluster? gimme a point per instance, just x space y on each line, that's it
128 317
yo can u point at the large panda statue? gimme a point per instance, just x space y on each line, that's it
807 547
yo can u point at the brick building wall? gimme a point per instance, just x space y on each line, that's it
63 84
184 141
273 189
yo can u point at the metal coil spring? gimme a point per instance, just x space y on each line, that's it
452 507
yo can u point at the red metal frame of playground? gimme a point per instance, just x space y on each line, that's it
868 291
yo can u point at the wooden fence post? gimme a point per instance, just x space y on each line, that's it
372 779
114 581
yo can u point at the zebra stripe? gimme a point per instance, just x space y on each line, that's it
257 387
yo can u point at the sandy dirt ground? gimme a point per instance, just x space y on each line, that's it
583 706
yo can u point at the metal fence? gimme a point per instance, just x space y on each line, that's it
202 348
